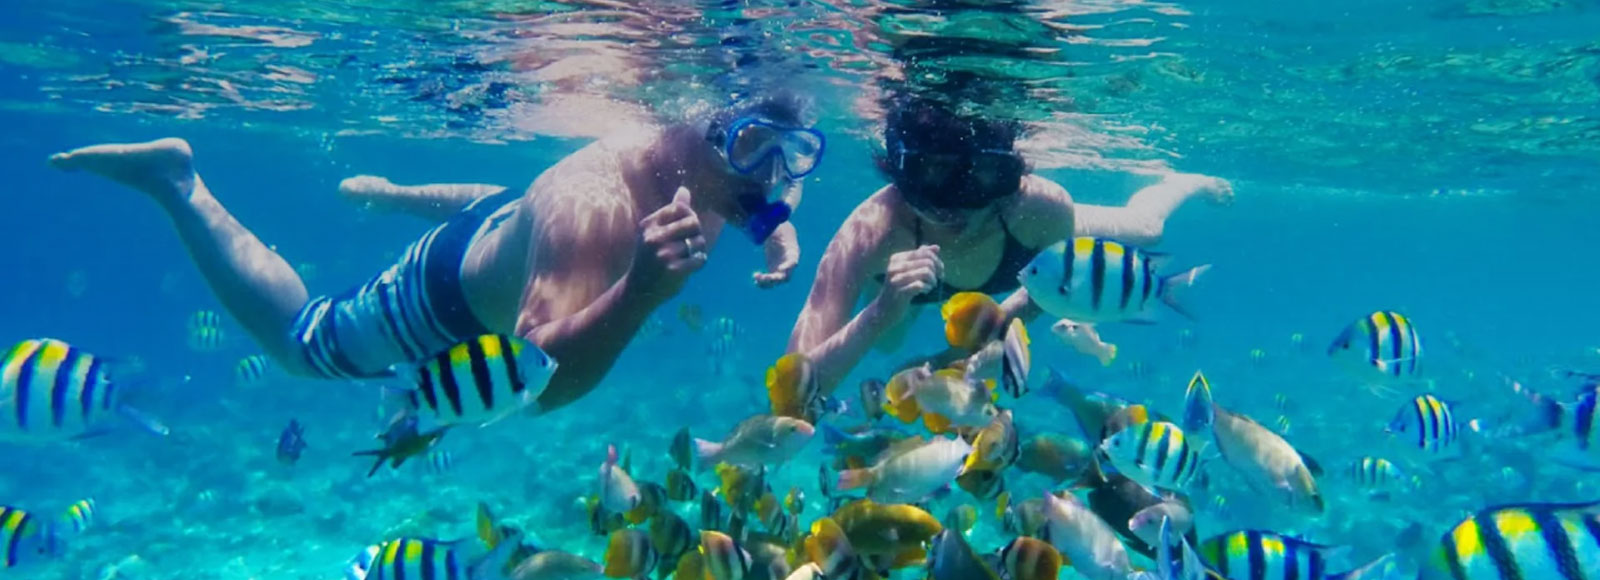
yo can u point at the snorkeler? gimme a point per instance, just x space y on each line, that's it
575 264
962 212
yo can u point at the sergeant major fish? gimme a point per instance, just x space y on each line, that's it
1097 280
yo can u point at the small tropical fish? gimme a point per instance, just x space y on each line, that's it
1118 500
1018 359
971 320
872 398
828 548
1375 473
441 461
629 554
1156 454
952 558
26 540
670 536
711 511
1534 540
79 516
1147 523
478 382
1058 457
251 370
1030 559
291 443
1084 339
53 392
1024 518
1084 539
1254 553
404 558
885 529
556 565
1384 341
1431 421
724 558
945 399
757 441
680 486
205 331
983 484
795 501
1266 461
602 521
996 446
794 389
691 316
682 449
1577 422
402 440
1097 280
618 493
910 474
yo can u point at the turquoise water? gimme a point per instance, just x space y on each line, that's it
1436 158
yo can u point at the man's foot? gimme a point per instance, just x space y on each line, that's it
163 169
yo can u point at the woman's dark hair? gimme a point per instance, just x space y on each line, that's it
924 124
779 106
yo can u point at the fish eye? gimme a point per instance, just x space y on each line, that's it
1033 269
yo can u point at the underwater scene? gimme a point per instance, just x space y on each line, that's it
800 289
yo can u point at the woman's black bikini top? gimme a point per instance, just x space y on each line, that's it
1013 258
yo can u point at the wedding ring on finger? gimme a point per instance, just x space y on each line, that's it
689 250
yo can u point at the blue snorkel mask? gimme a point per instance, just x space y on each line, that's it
749 145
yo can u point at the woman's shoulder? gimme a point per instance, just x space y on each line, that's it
1042 214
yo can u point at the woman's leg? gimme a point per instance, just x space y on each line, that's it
434 202
1142 221
256 285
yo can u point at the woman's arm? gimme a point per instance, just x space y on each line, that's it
1142 221
825 332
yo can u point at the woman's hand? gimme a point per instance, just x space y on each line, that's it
910 274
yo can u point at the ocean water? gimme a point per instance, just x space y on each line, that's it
1438 158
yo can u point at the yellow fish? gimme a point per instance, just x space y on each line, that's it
971 320
793 388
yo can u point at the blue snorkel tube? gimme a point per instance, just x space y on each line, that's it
764 216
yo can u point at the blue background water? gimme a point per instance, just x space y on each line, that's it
1509 273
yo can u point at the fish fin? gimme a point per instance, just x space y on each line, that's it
492 565
936 423
487 531
1385 567
144 421
1172 286
1199 409
1311 463
1108 355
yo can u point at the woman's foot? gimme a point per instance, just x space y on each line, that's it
162 169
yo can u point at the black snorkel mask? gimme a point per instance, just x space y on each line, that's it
955 178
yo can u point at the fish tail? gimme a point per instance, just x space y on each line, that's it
1172 286
855 478
1547 415
1108 355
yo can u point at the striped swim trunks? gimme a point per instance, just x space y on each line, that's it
412 310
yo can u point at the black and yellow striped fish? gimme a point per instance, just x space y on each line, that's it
1385 340
480 381
413 558
724 558
1155 453
1431 421
1546 541
251 370
1266 556
1098 280
1375 473
79 516
25 540
53 391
